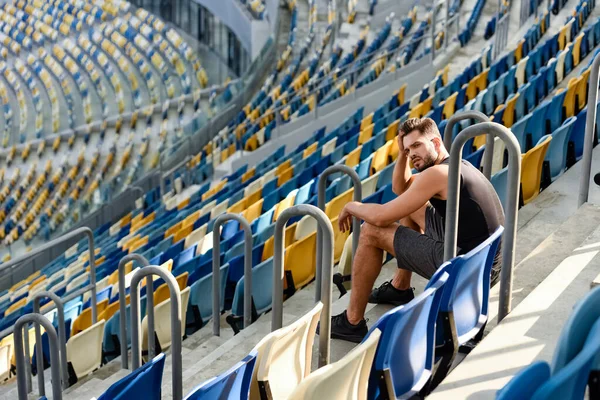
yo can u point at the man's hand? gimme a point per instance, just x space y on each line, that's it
345 219
400 144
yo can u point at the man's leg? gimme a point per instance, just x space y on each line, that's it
366 266
416 222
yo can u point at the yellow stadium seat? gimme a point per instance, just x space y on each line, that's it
248 174
110 310
519 51
285 176
392 130
290 232
531 170
300 260
162 292
310 150
562 37
381 157
84 320
238 207
283 166
449 106
335 206
365 134
569 103
254 211
582 89
182 233
353 158
283 205
508 117
471 92
366 121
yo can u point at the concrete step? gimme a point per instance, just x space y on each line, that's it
531 331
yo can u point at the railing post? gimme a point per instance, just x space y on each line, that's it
136 353
433 23
446 24
216 262
488 155
512 202
344 169
84 230
20 357
123 305
62 338
590 125
326 272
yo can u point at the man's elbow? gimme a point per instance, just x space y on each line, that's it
381 222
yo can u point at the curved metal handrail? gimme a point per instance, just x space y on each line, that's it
62 337
492 129
321 203
216 264
326 272
136 351
590 126
123 306
20 357
488 155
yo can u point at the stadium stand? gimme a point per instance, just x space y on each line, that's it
538 88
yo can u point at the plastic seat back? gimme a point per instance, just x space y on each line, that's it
144 382
500 182
162 318
531 169
570 382
233 384
262 279
84 350
557 151
524 384
576 328
404 357
200 303
344 379
287 360
466 294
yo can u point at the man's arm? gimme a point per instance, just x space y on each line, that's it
431 182
402 177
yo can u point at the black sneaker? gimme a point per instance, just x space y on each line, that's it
341 328
388 294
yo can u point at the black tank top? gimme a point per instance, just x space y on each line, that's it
479 211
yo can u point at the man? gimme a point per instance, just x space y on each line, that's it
417 241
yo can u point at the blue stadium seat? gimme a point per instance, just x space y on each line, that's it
404 357
557 152
144 382
526 382
500 182
233 384
199 309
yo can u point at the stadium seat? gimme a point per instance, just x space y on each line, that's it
144 382
346 378
556 154
531 169
404 358
84 350
233 384
199 310
526 382
162 321
288 359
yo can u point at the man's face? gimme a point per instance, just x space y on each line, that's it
420 149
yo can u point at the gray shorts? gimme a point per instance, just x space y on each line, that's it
421 253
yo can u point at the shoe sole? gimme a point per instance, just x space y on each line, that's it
393 303
348 338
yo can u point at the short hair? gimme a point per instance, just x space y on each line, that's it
425 126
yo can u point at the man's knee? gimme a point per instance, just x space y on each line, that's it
371 235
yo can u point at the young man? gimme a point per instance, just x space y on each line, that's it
417 240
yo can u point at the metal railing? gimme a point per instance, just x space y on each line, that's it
20 325
590 130
357 184
7 266
512 203
216 271
136 351
62 337
501 35
488 155
123 307
325 272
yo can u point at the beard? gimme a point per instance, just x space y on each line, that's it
426 162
